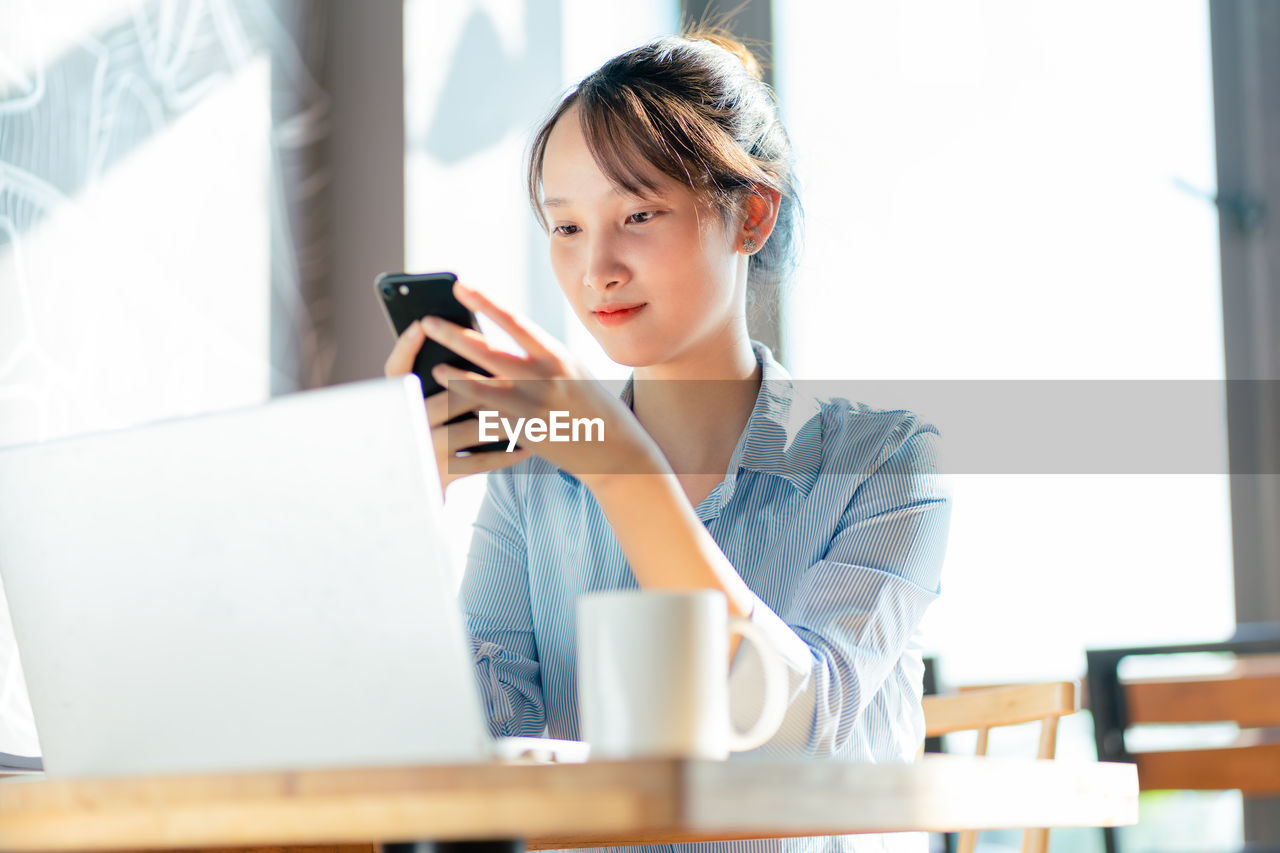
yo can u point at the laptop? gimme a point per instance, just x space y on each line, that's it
258 589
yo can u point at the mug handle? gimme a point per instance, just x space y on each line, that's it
775 689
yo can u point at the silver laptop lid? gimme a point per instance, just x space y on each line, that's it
255 589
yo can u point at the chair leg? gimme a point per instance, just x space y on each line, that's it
969 838
1048 737
1035 841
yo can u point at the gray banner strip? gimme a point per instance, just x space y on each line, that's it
1037 426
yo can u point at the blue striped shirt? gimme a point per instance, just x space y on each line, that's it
834 515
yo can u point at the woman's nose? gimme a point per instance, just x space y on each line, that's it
604 269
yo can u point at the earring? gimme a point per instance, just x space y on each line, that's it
750 246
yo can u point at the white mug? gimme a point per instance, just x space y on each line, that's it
653 676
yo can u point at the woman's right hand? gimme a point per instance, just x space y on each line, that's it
448 439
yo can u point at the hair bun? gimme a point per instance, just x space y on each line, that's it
723 38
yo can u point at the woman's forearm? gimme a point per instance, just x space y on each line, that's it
664 541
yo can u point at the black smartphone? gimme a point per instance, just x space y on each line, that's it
412 296
409 297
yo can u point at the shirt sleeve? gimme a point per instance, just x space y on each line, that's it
495 602
855 610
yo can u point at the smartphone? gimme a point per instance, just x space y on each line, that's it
408 297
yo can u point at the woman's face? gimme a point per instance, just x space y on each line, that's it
668 258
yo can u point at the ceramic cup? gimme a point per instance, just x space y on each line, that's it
653 676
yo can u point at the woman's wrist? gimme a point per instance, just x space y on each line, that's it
640 462
666 545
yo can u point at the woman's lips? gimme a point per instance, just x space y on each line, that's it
614 318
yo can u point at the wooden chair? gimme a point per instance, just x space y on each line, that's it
984 708
1248 694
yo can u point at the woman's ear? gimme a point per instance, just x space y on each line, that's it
761 209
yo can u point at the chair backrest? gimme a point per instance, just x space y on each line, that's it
983 708
1247 694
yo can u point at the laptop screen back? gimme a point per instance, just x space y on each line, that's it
265 588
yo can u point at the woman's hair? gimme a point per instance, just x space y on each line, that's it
695 109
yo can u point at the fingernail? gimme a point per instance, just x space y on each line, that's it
430 323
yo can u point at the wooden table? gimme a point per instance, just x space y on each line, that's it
553 806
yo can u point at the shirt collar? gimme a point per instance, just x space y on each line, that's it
783 436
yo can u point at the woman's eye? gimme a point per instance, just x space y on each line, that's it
641 217
565 230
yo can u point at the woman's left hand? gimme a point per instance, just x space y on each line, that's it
548 379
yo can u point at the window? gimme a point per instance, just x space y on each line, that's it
473 100
137 235
1005 191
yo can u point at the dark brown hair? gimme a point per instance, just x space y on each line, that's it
693 108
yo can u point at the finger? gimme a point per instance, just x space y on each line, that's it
472 345
452 439
405 351
479 392
478 463
441 407
534 341
466 434
449 439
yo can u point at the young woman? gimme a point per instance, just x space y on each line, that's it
665 182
